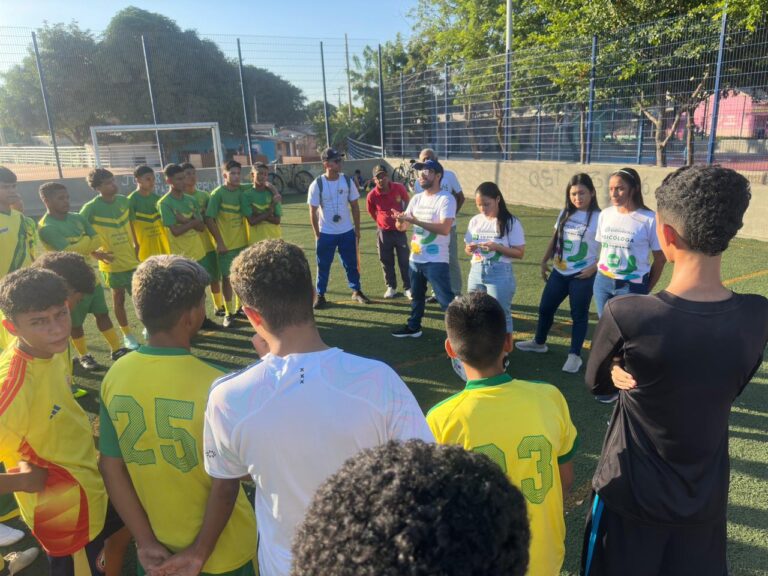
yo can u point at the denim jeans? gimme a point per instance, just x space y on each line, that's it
327 244
579 293
606 288
498 280
437 274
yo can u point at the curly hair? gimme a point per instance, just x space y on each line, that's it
165 287
706 204
31 290
72 267
476 327
418 509
48 189
273 277
97 177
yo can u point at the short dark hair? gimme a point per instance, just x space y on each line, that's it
165 287
31 290
171 170
229 164
418 509
48 189
273 277
98 176
706 204
188 166
141 170
72 267
476 328
7 176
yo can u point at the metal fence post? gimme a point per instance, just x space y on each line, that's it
716 102
45 105
325 101
445 109
538 132
507 153
152 99
590 109
640 129
381 105
402 119
245 107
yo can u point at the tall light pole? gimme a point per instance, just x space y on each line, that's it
509 26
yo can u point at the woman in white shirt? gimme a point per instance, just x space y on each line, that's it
573 251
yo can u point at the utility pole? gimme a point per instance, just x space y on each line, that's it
349 84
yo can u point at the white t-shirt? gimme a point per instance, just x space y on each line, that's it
626 241
449 183
482 229
291 422
427 246
580 249
333 201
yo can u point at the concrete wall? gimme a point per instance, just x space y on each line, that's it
542 184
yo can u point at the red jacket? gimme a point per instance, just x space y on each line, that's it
380 205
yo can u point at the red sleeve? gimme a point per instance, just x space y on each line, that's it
370 205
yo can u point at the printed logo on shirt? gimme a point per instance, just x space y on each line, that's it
210 453
4 230
54 411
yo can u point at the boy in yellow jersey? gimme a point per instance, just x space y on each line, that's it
225 217
14 244
33 240
144 215
211 258
53 469
182 219
110 214
525 427
152 407
265 204
62 230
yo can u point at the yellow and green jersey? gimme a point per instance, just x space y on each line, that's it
202 197
226 207
152 411
6 338
525 427
33 240
257 201
41 423
112 222
14 242
73 233
150 233
190 243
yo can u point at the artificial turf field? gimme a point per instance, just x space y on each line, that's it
423 364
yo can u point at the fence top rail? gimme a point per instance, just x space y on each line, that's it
151 127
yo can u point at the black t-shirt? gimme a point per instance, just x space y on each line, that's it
665 456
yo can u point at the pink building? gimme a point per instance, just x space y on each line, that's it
739 116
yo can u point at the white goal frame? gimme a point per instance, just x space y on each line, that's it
156 128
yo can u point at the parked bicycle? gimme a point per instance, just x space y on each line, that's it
405 174
290 174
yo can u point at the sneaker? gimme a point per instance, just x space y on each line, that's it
360 298
390 293
458 367
78 392
9 535
607 398
119 353
531 346
228 321
220 312
129 341
408 294
431 300
572 364
241 314
209 324
406 332
88 362
17 561
320 302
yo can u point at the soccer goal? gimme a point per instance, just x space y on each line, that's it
124 147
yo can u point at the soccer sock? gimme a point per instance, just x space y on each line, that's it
111 337
218 299
237 303
126 330
80 345
229 306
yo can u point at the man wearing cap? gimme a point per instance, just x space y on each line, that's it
385 198
432 214
449 184
335 217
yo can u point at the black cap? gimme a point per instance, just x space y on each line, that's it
379 168
331 154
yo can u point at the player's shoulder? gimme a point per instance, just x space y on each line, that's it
543 391
443 410
247 387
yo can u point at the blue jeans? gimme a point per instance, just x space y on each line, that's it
438 275
327 244
606 288
497 279
579 293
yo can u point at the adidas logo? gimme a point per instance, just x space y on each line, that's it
54 411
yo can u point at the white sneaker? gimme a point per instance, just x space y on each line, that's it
458 367
390 293
531 346
17 561
408 294
572 364
9 535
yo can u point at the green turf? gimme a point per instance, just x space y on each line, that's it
425 368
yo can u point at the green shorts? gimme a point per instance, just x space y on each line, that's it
116 280
226 259
90 304
211 264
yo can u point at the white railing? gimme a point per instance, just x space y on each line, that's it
357 150
70 156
